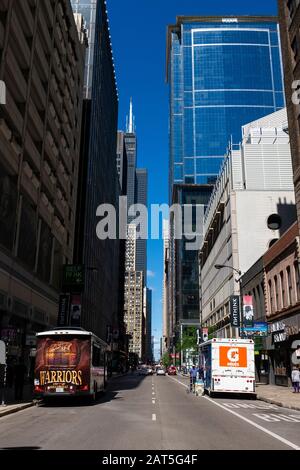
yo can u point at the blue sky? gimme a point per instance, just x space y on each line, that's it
138 30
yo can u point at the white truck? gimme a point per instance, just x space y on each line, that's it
228 366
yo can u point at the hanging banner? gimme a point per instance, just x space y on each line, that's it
248 312
235 310
63 310
75 310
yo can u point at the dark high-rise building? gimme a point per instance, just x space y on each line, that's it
122 162
147 324
40 126
131 150
99 185
289 18
141 197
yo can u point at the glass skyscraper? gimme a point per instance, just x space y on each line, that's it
223 72
88 9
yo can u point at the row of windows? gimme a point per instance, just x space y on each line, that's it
284 289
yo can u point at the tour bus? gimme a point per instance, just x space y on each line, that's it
70 361
228 365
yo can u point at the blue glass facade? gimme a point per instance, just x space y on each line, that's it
222 75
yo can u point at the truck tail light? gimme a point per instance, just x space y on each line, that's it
84 388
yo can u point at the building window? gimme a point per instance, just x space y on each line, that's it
277 307
289 285
297 278
271 298
274 222
283 291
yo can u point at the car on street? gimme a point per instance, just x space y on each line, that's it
160 371
172 370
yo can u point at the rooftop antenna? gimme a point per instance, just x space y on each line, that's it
130 124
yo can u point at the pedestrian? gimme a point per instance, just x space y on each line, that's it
193 377
296 379
20 371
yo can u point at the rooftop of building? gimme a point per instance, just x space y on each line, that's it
225 19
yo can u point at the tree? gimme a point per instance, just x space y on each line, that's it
166 360
188 342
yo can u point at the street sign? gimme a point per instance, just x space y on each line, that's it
2 353
73 278
235 311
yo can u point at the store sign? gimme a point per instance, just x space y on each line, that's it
281 331
73 278
235 310
277 326
279 337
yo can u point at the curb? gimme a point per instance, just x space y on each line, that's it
278 403
15 409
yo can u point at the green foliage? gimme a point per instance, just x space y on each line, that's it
166 360
189 340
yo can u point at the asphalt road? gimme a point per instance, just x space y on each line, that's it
152 413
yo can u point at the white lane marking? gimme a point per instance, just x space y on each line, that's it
251 406
153 393
153 417
278 417
276 436
176 380
153 402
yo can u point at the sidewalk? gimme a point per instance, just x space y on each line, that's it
11 405
280 396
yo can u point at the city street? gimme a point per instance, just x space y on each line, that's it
153 413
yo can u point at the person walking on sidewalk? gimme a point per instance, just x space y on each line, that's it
193 378
296 379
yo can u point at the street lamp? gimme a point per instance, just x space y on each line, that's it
239 280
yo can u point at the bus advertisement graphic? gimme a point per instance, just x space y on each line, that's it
62 363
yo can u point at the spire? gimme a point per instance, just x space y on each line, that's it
130 126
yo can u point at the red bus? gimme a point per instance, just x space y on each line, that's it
70 362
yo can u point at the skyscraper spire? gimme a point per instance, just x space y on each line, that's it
130 126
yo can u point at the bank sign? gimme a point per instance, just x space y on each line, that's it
235 311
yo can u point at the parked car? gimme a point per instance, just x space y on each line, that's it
172 370
160 371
